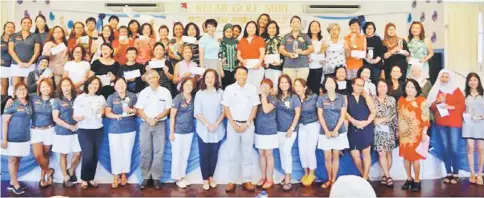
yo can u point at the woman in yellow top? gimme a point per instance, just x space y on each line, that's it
355 44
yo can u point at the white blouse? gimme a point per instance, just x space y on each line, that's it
89 107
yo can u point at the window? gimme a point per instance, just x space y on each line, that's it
480 50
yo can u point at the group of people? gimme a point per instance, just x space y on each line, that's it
358 93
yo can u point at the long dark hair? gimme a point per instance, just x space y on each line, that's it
479 88
5 27
89 81
73 31
194 83
130 34
266 30
320 36
203 85
60 94
304 83
290 90
111 37
51 35
415 84
323 86
46 29
246 34
185 30
421 36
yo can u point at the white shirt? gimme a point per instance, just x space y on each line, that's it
315 64
240 100
77 71
154 102
208 104
89 106
370 88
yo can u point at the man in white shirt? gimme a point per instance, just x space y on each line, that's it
154 103
240 102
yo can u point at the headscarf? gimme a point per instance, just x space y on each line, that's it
420 79
390 41
230 41
447 88
38 71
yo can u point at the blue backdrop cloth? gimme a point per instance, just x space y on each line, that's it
347 166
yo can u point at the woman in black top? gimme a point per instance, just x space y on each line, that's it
165 72
344 86
135 85
106 69
395 51
374 59
395 85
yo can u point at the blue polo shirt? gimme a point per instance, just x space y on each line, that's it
265 123
125 124
24 48
184 115
64 106
42 111
6 59
303 42
332 111
19 124
210 46
309 113
285 111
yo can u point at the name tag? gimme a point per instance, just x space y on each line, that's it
38 102
326 103
20 109
116 102
184 105
64 104
18 38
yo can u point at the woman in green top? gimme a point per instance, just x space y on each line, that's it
228 55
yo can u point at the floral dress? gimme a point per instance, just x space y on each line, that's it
418 50
272 47
413 117
385 133
335 56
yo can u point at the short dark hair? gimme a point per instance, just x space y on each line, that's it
323 86
194 82
246 34
367 24
83 51
110 47
415 84
46 29
237 26
26 18
353 21
91 19
164 27
295 17
120 78
151 29
203 85
241 68
185 31
381 80
89 81
266 31
123 27
130 34
318 34
156 45
479 88
132 49
113 17
177 24
358 73
211 22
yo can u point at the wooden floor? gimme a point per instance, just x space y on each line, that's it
430 188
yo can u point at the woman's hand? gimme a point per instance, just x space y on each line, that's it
9 103
289 132
172 136
73 128
166 70
187 74
4 144
212 127
79 118
222 74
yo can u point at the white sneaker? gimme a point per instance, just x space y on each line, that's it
186 182
213 184
181 184
206 186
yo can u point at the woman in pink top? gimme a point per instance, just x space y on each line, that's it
182 68
56 38
144 43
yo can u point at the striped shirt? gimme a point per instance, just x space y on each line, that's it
228 54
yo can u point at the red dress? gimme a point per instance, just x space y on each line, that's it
413 117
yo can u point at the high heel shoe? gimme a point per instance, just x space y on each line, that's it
115 182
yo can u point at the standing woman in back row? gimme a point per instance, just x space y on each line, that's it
209 48
297 47
317 58
395 51
24 47
420 48
41 30
273 42
355 42
250 52
6 59
374 54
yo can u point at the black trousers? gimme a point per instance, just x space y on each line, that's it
208 157
314 80
228 78
90 141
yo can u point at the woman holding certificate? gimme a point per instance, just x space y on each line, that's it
317 58
79 36
395 51
250 52
144 43
413 122
374 53
56 50
355 48
420 48
106 69
273 59
447 102
297 47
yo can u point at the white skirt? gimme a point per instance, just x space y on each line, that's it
66 144
17 149
266 141
4 72
17 71
44 136
334 143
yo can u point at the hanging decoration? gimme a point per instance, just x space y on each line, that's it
47 2
51 16
20 1
434 37
428 1
40 12
439 1
35 1
70 24
435 16
409 19
414 4
99 23
26 13
422 17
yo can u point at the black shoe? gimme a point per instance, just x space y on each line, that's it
157 184
11 187
416 186
407 185
144 184
73 177
18 191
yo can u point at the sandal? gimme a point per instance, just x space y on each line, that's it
84 185
268 184
455 179
261 182
479 181
389 182
50 176
326 185
447 179
287 186
383 180
472 179
92 184
42 184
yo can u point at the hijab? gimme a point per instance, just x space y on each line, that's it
390 41
229 41
446 88
420 79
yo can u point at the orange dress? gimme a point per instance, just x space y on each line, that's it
413 116
120 54
357 44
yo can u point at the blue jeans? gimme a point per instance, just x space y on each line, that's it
450 141
208 157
